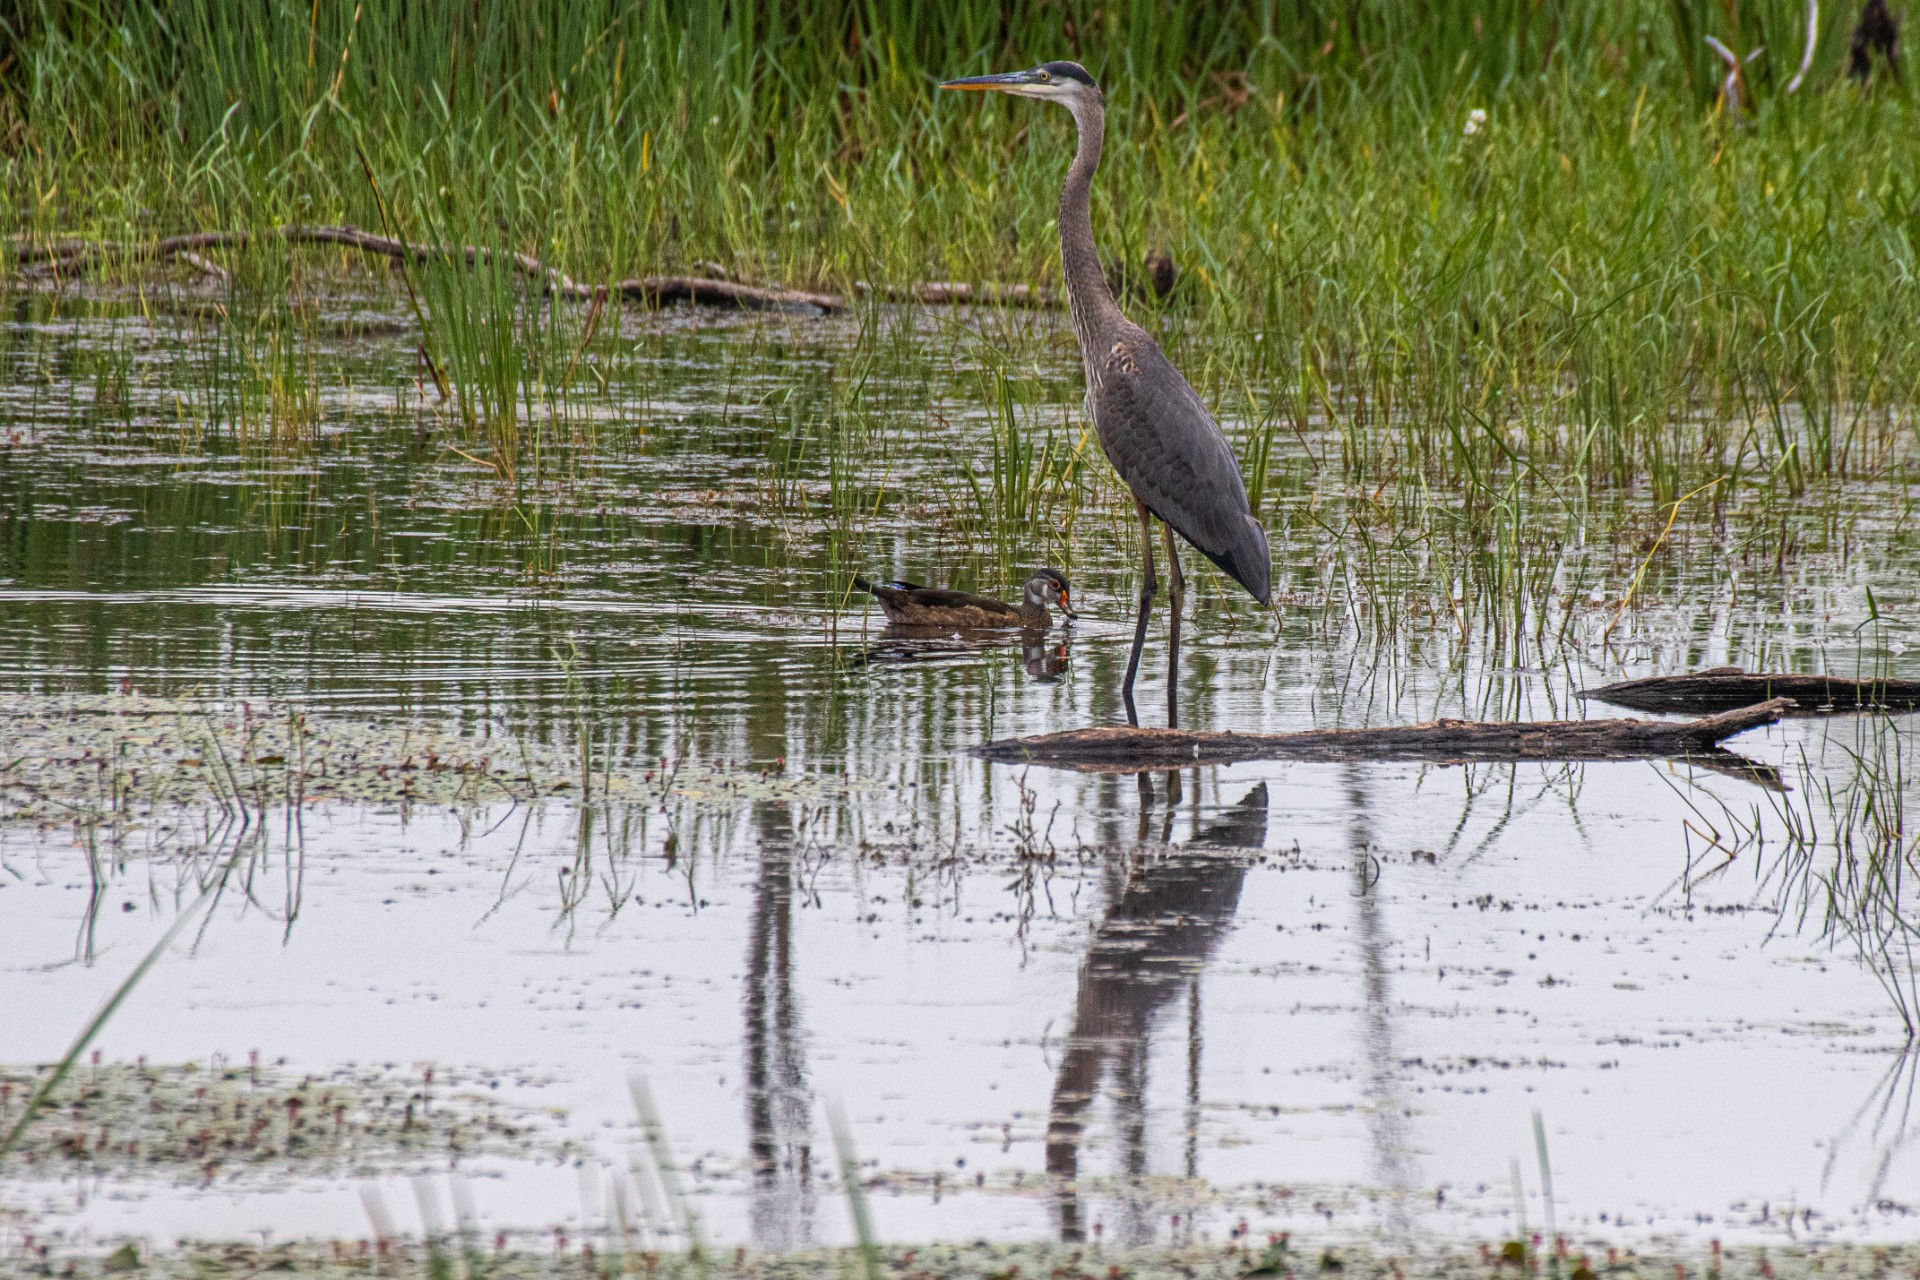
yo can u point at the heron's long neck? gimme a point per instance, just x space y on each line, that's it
1094 312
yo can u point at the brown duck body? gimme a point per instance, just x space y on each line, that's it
910 606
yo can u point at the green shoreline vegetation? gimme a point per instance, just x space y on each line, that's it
1475 373
1612 252
1446 354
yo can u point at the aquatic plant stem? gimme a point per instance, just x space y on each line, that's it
1672 514
413 298
1546 1193
101 1016
857 1207
668 1171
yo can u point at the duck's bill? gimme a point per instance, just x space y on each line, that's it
1067 608
1004 80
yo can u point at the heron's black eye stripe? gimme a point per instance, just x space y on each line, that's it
1059 72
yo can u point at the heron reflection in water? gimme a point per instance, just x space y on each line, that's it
1160 929
1164 924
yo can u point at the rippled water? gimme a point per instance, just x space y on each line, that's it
1324 998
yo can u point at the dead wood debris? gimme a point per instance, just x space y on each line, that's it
714 286
1115 748
1724 688
941 293
75 255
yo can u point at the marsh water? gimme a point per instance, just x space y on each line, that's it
1326 999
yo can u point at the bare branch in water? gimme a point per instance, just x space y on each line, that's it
656 290
1115 748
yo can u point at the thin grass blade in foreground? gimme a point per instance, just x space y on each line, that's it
856 1194
113 1002
1546 1194
668 1171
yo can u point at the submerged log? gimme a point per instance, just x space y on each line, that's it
1157 278
953 293
1723 688
703 291
74 255
1439 742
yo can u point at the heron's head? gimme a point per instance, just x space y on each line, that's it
1063 82
1049 586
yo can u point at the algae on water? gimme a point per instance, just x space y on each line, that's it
123 757
188 1123
1237 1258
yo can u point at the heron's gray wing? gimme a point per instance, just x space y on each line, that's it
1172 454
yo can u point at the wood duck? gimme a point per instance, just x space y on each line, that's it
909 605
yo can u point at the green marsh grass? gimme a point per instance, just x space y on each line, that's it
1454 363
1305 164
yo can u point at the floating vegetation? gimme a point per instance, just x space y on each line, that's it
1233 1259
195 1123
118 758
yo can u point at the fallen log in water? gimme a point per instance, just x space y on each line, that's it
655 290
1723 688
947 293
1439 742
1154 280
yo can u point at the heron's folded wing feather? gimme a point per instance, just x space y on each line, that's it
1170 451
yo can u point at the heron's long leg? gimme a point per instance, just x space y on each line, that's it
1177 597
1148 585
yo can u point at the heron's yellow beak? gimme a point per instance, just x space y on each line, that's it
1006 81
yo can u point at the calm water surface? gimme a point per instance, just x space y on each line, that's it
1327 999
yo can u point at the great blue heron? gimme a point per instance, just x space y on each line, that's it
1151 422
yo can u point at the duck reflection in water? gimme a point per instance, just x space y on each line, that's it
1043 653
1163 924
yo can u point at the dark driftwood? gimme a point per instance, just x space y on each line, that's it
1723 688
656 290
1440 742
948 293
1156 279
